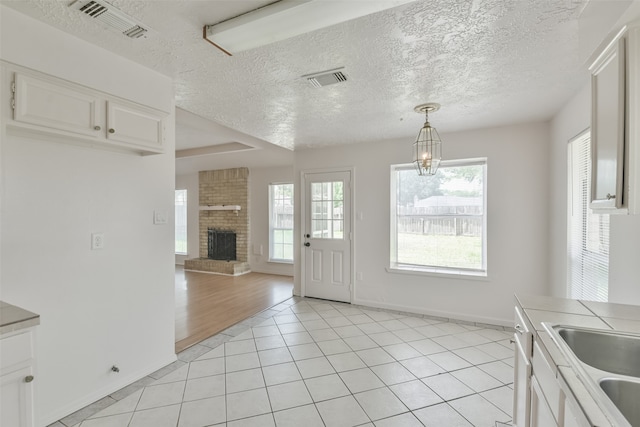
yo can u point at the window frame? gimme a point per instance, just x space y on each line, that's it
186 223
272 243
440 271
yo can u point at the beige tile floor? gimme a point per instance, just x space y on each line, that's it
310 363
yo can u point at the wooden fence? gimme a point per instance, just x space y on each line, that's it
448 225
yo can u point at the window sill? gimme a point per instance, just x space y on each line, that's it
438 272
182 254
280 261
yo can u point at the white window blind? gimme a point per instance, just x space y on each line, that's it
181 222
589 233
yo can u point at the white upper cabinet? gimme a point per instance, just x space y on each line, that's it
615 123
67 112
137 126
56 106
607 126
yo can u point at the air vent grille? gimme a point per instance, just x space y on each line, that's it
111 17
326 78
93 9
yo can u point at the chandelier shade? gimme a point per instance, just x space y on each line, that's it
427 150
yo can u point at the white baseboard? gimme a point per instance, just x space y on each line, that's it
438 313
66 410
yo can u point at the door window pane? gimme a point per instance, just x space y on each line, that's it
327 210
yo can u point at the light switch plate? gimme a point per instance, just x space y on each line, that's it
160 217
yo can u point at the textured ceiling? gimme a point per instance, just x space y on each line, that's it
488 62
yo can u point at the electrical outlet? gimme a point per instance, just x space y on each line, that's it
97 241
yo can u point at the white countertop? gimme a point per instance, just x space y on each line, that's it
584 314
13 318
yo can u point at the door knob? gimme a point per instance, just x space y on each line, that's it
307 244
307 235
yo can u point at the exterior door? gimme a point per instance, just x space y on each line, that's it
327 235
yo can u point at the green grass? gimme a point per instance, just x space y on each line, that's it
440 251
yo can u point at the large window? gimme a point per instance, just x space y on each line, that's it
589 233
281 222
438 223
181 222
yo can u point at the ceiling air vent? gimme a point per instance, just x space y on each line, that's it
111 17
326 78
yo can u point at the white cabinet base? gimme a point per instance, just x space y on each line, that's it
16 398
17 378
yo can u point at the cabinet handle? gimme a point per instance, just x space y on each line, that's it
307 244
112 130
610 196
28 378
97 127
519 329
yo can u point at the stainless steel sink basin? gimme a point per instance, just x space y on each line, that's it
608 364
625 395
608 351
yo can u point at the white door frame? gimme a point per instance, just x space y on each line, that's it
352 217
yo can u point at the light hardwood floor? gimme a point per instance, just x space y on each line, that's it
209 303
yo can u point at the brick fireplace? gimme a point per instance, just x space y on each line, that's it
220 189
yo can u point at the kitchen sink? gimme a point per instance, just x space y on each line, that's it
608 351
624 394
608 364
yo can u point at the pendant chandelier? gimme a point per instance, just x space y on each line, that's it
427 150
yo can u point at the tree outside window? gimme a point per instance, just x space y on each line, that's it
439 221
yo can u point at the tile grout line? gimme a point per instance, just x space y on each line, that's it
341 338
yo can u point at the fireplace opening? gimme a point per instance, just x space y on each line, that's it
221 244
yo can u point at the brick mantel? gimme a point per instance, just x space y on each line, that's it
224 187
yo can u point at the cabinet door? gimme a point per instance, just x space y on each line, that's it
574 417
521 387
43 103
16 398
541 415
608 127
136 126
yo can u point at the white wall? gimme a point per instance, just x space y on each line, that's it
190 183
624 238
98 308
259 180
624 265
568 123
517 223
